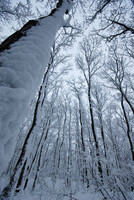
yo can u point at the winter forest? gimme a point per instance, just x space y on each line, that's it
67 100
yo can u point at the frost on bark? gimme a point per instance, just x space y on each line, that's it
23 58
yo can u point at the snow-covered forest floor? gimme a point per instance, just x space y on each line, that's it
59 192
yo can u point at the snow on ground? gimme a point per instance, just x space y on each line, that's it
85 196
53 196
48 190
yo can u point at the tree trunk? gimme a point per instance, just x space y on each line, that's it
93 131
23 59
128 128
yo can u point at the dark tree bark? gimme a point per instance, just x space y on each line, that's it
128 128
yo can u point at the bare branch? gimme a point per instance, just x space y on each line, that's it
127 28
100 10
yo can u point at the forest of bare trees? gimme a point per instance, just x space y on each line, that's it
76 130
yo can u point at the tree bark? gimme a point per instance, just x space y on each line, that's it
52 22
25 71
128 128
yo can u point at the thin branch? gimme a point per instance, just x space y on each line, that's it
127 28
111 37
100 10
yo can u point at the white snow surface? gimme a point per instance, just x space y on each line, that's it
78 196
21 71
85 196
56 191
49 190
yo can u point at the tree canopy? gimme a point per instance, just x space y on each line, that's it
67 100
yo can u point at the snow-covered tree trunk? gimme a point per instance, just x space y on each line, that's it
21 69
